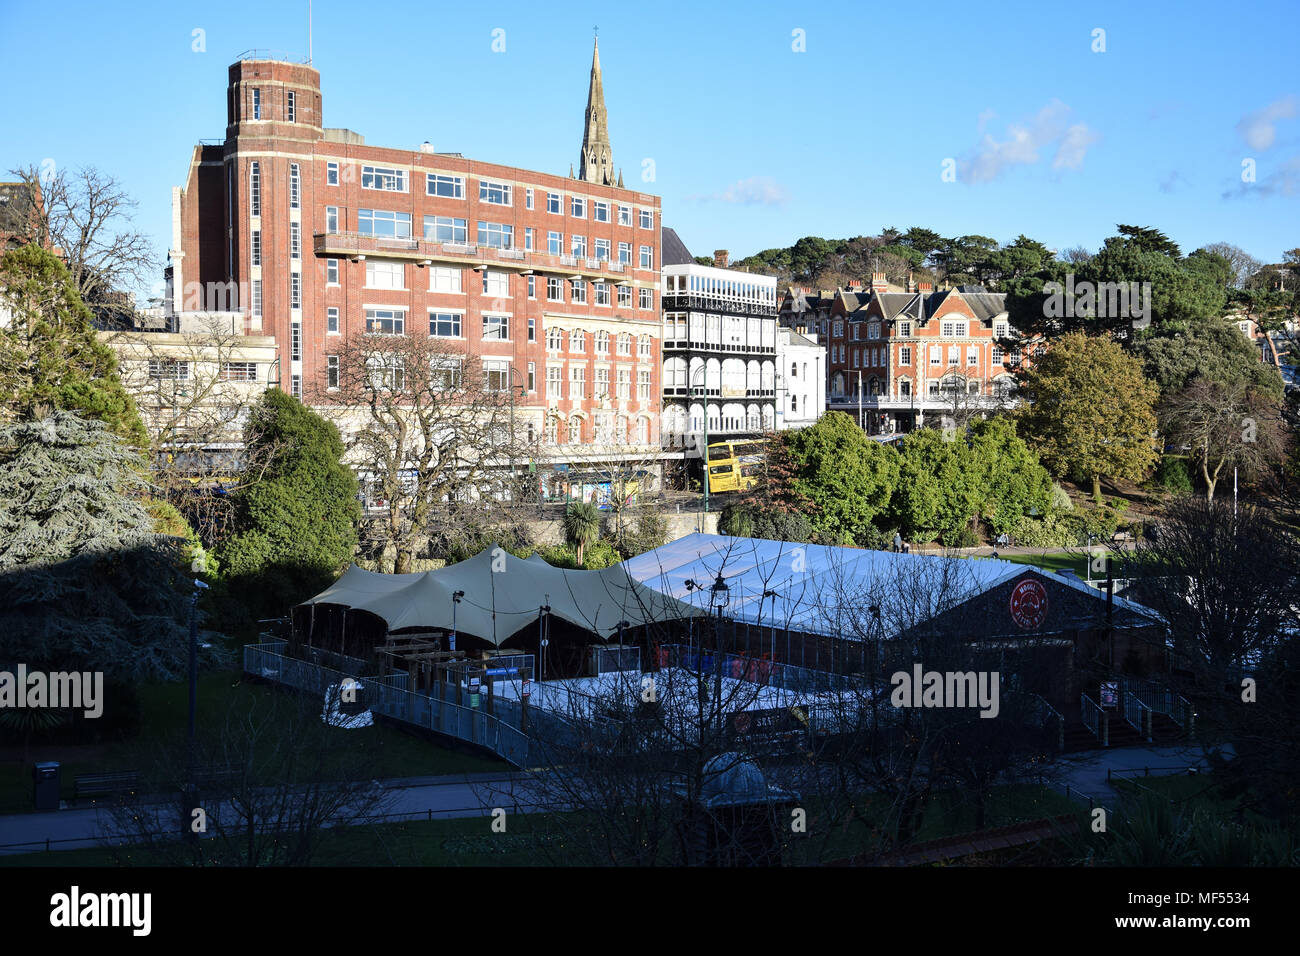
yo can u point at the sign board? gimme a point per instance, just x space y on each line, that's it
1028 604
1109 693
473 700
527 688
451 641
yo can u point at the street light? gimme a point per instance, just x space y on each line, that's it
190 789
455 601
690 387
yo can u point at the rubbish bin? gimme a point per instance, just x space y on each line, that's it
47 785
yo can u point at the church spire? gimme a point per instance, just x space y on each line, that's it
596 164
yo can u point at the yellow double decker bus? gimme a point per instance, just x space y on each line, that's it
735 465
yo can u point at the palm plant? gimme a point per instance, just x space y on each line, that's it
581 526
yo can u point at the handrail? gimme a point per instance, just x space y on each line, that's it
1095 719
1138 715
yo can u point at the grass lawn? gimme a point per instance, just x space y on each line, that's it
537 839
164 716
1076 561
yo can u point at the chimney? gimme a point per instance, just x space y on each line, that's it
878 282
911 283
720 258
925 288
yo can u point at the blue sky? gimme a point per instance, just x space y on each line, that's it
752 143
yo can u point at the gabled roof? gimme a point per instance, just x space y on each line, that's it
673 251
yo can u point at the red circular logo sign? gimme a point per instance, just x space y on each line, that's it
1028 604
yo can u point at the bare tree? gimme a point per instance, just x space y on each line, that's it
1244 265
88 215
1226 425
431 431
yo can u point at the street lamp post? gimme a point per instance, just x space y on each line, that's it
455 602
191 791
719 594
705 451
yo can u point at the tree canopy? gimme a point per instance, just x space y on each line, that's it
848 477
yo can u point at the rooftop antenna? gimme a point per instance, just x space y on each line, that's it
309 32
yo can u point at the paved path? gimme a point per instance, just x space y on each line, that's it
1085 773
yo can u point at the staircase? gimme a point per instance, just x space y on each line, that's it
1120 733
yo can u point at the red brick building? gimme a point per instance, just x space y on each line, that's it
551 280
895 356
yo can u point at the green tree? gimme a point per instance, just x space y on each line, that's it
85 580
581 526
848 477
938 492
295 523
1010 480
1091 411
50 358
1214 350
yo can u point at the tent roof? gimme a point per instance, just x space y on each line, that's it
502 595
819 589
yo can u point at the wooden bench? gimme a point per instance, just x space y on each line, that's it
106 784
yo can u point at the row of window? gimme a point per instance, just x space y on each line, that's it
577 342
178 370
737 290
290 104
948 328
878 356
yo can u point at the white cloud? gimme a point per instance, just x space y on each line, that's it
1259 128
1023 141
1282 180
754 191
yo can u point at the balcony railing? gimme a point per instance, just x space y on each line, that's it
355 244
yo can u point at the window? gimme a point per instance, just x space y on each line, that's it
496 284
239 371
257 104
905 328
953 328
332 320
934 389
445 279
385 275
997 355
444 371
528 198
332 271
625 297
575 431
169 370
624 344
331 218
625 253
331 371
256 246
555 243
905 388
295 341
577 207
972 356
647 299
256 307
449 187
255 188
385 321
954 354
554 381
383 222
647 257
601 391
554 290
643 346
602 292
291 102
647 219
445 325
386 372
295 186
905 355
295 290
529 233
532 288
936 355
578 246
602 249
496 328
446 229
553 203
624 215
295 385
577 341
498 194
295 240
1000 330
624 384
331 174
496 235
600 211
839 330
578 291
602 342
577 382
496 375
552 431
643 385
873 330
532 329
857 358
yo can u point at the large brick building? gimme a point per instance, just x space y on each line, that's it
898 356
552 281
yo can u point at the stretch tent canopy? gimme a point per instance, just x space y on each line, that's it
502 595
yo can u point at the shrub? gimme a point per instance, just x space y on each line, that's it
1050 531
1172 475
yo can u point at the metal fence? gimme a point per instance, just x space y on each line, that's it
756 670
1095 719
1137 714
1161 700
390 697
